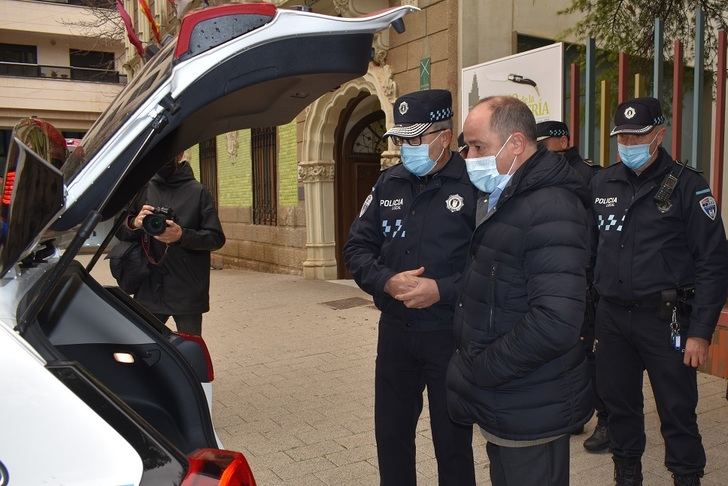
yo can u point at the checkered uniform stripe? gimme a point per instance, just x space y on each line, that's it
397 227
557 133
441 114
611 222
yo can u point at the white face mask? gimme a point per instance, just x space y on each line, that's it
483 171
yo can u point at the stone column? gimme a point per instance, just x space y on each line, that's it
318 185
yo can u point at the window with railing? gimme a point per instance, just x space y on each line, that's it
208 166
264 148
92 66
21 60
18 60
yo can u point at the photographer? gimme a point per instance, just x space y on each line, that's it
178 227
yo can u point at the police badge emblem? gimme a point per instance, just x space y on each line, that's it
629 113
709 207
455 202
403 108
366 204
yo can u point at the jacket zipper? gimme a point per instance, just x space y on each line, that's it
492 297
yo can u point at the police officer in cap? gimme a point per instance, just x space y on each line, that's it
408 249
554 135
661 272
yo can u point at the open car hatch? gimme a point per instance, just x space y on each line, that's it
231 67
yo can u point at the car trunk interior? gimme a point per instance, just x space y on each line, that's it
132 354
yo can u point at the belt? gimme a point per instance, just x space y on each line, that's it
647 302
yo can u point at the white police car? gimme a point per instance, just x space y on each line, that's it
94 390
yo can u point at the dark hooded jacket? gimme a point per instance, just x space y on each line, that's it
181 283
519 370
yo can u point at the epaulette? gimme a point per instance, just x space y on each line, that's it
591 163
694 169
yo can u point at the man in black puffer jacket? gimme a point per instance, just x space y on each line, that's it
179 281
520 371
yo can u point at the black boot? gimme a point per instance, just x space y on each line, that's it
599 440
686 480
627 472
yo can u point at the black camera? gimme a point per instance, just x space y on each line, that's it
154 224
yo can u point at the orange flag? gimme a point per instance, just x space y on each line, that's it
148 14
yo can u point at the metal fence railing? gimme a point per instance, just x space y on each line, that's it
693 125
61 72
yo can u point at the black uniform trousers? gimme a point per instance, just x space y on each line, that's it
587 336
408 361
540 465
630 340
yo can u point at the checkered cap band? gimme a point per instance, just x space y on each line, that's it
553 133
441 114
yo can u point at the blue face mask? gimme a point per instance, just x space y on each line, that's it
483 171
417 159
635 156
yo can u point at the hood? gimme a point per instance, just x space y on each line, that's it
547 169
183 173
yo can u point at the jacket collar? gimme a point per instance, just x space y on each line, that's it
544 169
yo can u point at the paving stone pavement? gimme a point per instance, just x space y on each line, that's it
294 389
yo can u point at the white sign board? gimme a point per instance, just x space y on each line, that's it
536 77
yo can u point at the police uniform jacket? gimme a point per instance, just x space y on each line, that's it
519 370
642 251
407 222
585 169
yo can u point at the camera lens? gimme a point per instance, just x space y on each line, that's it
154 224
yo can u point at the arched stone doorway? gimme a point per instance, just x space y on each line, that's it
359 147
317 167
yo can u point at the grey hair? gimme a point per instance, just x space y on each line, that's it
442 125
510 115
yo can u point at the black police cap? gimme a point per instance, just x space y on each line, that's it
637 116
415 112
551 128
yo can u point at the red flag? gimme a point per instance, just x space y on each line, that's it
133 38
148 14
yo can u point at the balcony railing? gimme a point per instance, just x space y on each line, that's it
86 3
61 72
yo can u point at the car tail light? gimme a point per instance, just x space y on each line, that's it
201 343
217 467
8 189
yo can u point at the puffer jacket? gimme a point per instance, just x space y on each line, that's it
519 371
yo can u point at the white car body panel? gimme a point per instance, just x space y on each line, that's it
71 444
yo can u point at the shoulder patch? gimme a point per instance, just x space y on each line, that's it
709 207
366 204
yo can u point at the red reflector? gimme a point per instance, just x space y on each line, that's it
201 343
217 467
8 188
